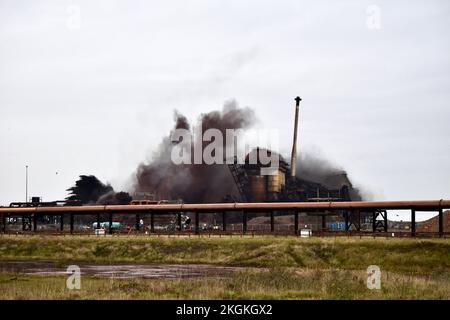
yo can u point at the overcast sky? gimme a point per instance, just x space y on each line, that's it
89 87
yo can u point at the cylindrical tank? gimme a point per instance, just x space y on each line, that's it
257 185
274 183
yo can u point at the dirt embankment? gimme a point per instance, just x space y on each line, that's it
432 225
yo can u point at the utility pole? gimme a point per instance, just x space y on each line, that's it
26 184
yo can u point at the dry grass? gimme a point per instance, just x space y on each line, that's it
395 255
273 284
314 268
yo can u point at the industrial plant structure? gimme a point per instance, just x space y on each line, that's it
281 193
283 184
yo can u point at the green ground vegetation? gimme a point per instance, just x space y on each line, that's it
279 267
396 255
283 283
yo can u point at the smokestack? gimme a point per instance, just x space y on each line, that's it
294 145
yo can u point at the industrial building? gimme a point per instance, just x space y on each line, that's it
283 184
253 186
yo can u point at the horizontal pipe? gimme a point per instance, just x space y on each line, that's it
214 207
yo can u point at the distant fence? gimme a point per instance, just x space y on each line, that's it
351 211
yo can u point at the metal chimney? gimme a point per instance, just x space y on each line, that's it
294 145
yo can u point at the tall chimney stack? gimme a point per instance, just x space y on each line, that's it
294 145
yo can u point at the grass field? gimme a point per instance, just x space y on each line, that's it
294 268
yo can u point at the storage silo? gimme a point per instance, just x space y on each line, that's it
257 186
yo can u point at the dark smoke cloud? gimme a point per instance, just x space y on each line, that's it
113 197
88 189
199 183
181 121
313 166
196 182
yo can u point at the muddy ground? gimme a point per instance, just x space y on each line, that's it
119 270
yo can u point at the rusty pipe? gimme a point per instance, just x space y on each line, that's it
214 207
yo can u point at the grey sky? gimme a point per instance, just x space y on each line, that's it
96 97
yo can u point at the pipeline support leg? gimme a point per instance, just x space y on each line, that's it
385 222
272 222
98 220
71 222
374 221
224 221
197 223
152 222
296 222
359 219
244 221
346 216
110 223
413 223
179 221
137 222
34 222
441 223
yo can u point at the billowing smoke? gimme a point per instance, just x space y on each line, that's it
90 190
313 166
193 182
200 183
113 197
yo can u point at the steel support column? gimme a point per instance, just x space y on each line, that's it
224 221
374 221
272 222
110 223
71 222
4 223
358 215
346 217
179 221
138 224
441 223
244 221
385 222
296 222
152 222
98 220
23 222
413 223
34 222
197 223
